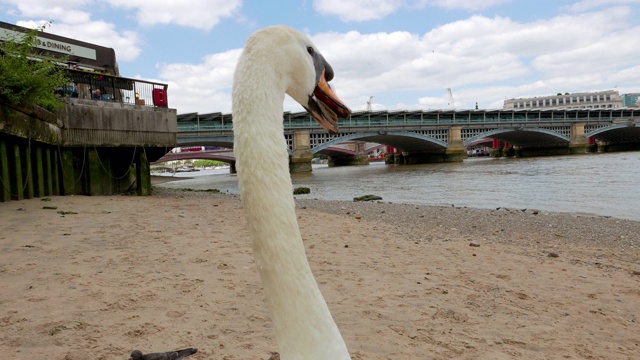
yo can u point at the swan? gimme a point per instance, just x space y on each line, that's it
278 60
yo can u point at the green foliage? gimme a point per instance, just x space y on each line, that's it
26 80
207 163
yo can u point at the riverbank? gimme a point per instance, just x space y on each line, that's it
97 277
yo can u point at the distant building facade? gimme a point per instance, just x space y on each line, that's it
631 100
587 100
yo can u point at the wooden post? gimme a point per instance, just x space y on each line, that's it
55 178
5 180
38 173
48 172
17 188
27 178
95 173
143 174
68 175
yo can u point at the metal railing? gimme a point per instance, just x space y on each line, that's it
193 123
104 87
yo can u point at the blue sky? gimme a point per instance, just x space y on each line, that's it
404 53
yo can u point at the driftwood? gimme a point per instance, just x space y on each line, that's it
169 355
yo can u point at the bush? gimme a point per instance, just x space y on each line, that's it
27 81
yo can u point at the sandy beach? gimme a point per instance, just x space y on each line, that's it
97 277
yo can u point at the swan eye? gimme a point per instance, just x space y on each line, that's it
310 50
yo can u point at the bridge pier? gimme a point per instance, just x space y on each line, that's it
359 158
300 160
455 151
393 156
579 143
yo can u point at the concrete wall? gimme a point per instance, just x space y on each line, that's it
102 123
88 147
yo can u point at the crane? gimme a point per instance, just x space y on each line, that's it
369 103
451 102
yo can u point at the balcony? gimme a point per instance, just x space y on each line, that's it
103 87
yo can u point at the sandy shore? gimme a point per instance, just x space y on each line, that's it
98 277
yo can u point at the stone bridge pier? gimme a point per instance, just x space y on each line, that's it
358 158
579 143
300 160
455 151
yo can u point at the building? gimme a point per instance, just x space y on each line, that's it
584 100
631 100
76 54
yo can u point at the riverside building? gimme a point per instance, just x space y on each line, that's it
609 99
631 100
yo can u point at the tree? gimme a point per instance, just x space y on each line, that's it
26 79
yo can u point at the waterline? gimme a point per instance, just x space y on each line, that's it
599 184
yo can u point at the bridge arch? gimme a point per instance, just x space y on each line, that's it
404 140
205 140
523 136
219 155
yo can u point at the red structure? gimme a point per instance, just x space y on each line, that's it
159 97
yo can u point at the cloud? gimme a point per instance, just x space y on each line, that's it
366 10
563 53
483 59
586 5
67 11
589 46
461 4
357 10
199 14
202 86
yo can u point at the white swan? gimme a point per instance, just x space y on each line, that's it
278 60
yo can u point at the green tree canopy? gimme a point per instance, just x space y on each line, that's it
26 79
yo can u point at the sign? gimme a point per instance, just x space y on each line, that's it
52 45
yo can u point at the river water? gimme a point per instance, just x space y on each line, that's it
599 184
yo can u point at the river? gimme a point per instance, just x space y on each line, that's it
597 184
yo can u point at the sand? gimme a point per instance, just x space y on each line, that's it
98 277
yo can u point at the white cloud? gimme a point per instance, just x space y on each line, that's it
485 59
365 10
202 86
67 11
482 59
357 10
586 5
200 14
471 5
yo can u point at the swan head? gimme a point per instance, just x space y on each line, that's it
303 71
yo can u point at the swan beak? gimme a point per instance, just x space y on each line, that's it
325 106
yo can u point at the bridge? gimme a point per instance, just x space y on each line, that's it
435 135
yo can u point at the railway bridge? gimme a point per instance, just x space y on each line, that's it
432 136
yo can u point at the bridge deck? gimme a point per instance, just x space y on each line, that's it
389 119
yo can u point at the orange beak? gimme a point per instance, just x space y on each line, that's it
325 106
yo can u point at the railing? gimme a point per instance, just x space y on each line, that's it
429 118
104 87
